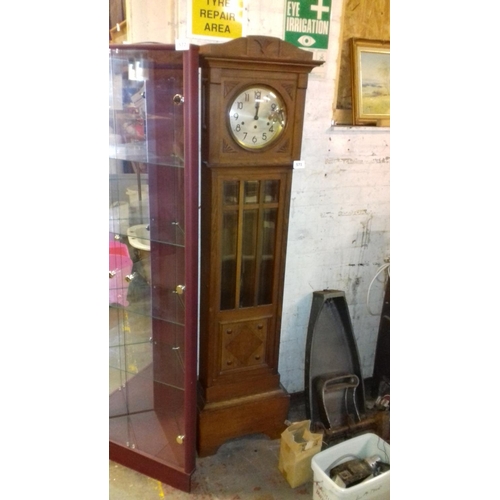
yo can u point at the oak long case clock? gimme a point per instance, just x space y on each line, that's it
253 99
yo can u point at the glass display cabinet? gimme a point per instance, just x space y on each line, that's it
153 259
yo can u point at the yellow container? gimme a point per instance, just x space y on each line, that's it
297 447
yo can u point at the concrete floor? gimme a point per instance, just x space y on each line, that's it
243 468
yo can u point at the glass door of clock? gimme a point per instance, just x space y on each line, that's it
153 258
250 209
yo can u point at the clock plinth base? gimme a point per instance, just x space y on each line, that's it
257 414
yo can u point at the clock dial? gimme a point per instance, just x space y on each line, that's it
257 117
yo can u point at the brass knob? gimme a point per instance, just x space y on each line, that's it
180 439
130 277
179 289
178 99
111 274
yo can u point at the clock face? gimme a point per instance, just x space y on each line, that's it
257 117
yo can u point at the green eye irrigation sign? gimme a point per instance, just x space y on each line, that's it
307 23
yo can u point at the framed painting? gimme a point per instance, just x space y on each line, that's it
371 89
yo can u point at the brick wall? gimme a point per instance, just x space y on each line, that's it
338 238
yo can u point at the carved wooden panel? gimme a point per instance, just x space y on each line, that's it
243 344
260 47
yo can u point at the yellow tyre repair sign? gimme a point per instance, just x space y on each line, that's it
217 18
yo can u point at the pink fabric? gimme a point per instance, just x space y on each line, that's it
121 264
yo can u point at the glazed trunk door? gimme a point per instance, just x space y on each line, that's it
153 259
249 232
251 207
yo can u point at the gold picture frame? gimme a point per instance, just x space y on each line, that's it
371 89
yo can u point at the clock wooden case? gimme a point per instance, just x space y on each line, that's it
253 98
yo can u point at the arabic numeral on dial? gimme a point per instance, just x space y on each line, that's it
238 128
236 116
271 128
264 136
239 104
273 106
254 139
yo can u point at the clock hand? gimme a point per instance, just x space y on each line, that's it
256 117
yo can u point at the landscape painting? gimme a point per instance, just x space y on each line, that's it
371 81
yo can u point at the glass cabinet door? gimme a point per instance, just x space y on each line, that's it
249 231
153 260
